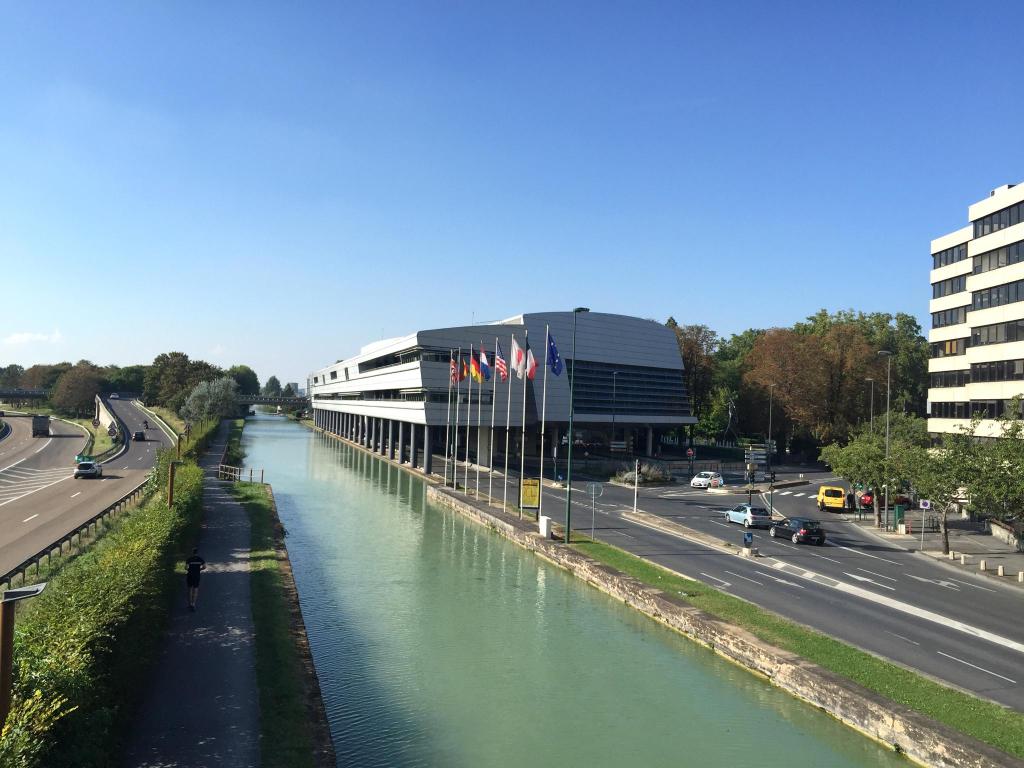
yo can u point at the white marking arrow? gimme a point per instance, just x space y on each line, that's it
870 581
940 582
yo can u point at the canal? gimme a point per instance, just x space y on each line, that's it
438 643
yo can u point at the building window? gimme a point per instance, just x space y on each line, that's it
316 379
1000 257
998 295
994 222
998 370
635 390
334 375
998 333
949 256
951 410
949 348
949 287
942 379
946 317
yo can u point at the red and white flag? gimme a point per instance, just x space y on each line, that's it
518 359
453 372
531 362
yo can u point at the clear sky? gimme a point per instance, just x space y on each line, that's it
279 183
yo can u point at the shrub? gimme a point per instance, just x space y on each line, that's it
649 473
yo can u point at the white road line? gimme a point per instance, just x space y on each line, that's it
890 578
869 581
873 557
975 666
715 578
784 493
741 576
968 584
32 517
8 501
719 522
12 465
76 494
901 637
797 495
44 445
813 554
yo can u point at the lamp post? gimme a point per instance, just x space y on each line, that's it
568 459
10 597
871 407
887 354
170 482
615 376
771 472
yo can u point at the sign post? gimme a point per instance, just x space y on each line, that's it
10 597
529 489
925 505
595 490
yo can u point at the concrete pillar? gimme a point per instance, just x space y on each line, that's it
401 442
412 446
383 447
391 439
428 446
650 441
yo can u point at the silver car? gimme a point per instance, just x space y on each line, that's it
706 480
88 469
749 516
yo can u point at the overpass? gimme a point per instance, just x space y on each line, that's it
292 402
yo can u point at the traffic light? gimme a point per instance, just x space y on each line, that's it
773 477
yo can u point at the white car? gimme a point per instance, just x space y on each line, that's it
707 480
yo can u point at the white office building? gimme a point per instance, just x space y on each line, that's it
393 397
977 308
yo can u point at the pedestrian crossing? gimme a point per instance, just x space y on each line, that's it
16 482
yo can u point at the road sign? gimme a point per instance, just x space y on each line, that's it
529 489
748 539
924 504
595 489
689 453
111 431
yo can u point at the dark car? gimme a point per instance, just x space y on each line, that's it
798 530
139 436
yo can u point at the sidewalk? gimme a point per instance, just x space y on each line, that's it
964 539
202 707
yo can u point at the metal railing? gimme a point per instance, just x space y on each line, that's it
69 538
237 474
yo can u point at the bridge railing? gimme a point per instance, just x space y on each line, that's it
239 474
91 524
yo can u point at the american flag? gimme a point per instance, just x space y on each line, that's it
499 361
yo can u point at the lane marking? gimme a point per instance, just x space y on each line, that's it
940 582
33 517
968 584
76 494
869 581
797 495
873 557
723 582
814 554
740 576
13 465
901 637
44 445
879 575
975 666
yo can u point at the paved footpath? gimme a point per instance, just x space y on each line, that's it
202 706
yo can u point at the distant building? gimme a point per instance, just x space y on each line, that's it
977 308
394 393
294 386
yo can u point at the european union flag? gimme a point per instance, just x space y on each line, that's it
554 359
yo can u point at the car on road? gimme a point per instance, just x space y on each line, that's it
831 497
139 435
749 516
706 480
112 396
866 499
88 469
798 530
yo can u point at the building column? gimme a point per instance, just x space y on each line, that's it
428 447
650 441
401 442
391 439
382 447
412 446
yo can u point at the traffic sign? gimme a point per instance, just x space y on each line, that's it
689 453
925 504
595 489
111 431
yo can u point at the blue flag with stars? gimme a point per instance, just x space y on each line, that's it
554 359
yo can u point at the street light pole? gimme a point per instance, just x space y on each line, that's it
871 407
888 393
771 472
568 460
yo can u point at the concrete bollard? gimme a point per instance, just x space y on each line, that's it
952 555
981 566
1020 576
1000 571
963 559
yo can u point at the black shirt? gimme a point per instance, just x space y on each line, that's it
194 565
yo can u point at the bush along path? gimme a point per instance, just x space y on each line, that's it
201 707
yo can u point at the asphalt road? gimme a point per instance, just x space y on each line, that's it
902 606
44 512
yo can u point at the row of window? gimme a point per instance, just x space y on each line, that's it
949 256
949 287
950 410
949 379
994 222
998 295
946 317
986 409
1000 257
949 348
1000 370
997 333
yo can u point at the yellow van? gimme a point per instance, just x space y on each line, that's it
831 497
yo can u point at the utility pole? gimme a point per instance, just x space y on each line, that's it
568 460
888 393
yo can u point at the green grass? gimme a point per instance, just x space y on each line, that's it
285 735
173 420
985 721
234 455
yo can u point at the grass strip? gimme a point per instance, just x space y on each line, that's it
986 721
286 738
235 454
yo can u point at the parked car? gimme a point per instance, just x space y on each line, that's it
112 396
706 480
798 530
831 497
139 435
88 469
749 516
867 499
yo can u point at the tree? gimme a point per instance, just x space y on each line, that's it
172 376
76 389
697 345
245 377
131 378
942 474
10 376
288 391
43 376
211 400
272 388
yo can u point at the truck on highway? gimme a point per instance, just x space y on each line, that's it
40 426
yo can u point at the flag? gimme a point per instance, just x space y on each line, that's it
531 362
499 362
518 359
554 360
464 372
453 372
474 370
485 368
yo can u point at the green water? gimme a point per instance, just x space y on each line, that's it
438 643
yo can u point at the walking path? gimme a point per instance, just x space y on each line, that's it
202 707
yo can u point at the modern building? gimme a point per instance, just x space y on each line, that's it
977 308
394 395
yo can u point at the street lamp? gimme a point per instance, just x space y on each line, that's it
887 354
568 460
10 597
771 473
871 407
615 376
170 482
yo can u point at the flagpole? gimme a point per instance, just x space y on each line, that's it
448 418
522 443
508 422
479 403
543 418
490 440
458 402
469 414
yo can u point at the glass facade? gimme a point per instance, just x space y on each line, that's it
949 379
994 222
949 287
949 256
998 295
949 348
998 333
1000 257
635 390
999 370
946 317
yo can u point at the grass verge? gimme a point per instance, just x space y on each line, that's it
988 722
286 735
234 455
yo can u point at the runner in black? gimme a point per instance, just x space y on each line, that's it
193 566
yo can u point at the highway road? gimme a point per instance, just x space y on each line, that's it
42 512
954 627
29 464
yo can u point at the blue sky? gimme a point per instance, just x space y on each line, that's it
277 184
